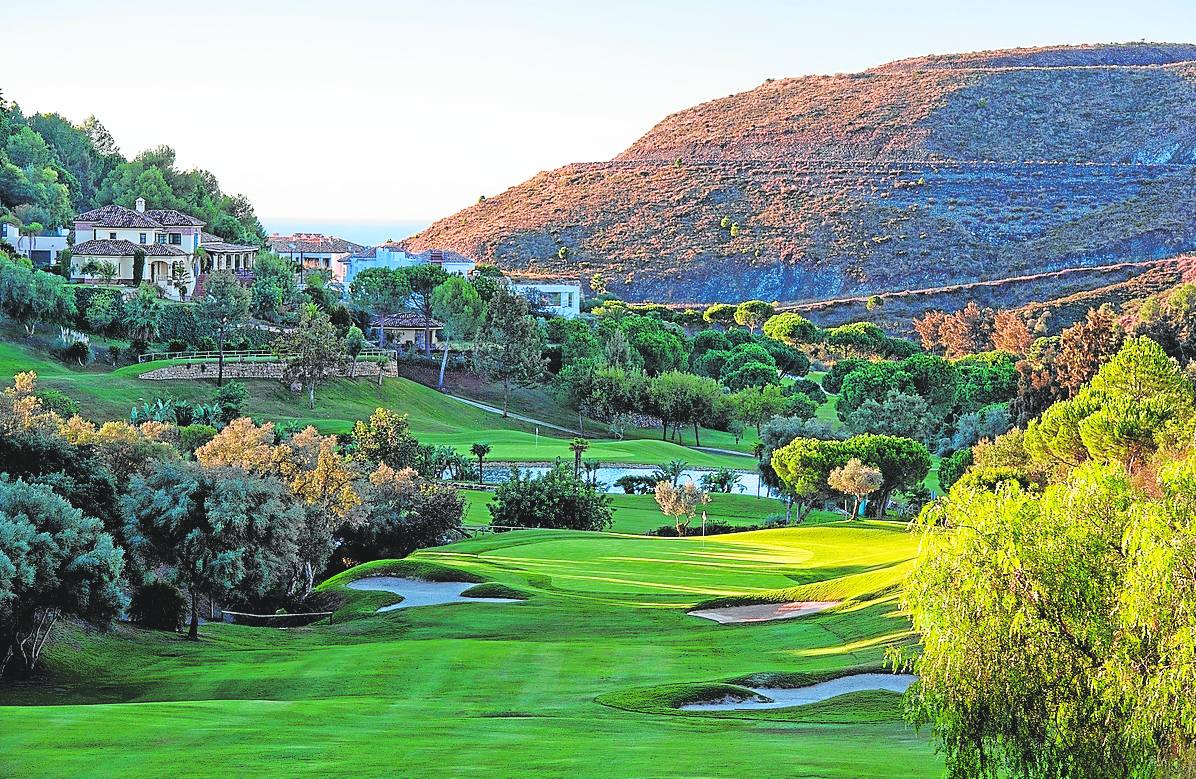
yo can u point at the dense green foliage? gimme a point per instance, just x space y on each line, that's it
55 562
556 499
51 169
1053 590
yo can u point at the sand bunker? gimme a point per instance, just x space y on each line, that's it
780 698
417 592
765 612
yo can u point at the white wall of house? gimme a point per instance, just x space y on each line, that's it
387 257
45 247
157 270
560 299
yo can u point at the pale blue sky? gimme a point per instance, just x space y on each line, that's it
358 109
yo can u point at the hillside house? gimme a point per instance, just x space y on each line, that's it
113 234
562 300
314 251
41 249
408 328
392 255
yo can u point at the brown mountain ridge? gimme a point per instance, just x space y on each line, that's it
921 173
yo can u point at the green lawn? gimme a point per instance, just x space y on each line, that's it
435 418
489 689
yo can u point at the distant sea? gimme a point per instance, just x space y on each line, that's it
367 232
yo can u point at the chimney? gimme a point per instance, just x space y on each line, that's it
141 204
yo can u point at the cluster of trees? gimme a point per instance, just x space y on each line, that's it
51 169
946 403
641 363
484 314
556 499
811 470
1053 590
975 329
246 515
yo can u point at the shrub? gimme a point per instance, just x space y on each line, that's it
78 352
713 528
231 399
636 485
176 326
556 499
58 402
191 437
158 606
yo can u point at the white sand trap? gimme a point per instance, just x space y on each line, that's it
765 612
780 698
417 592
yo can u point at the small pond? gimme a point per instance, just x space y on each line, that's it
606 476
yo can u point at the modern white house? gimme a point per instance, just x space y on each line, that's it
41 249
114 234
562 300
314 251
392 255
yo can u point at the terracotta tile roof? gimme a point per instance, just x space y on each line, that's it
407 319
311 243
104 247
168 217
117 216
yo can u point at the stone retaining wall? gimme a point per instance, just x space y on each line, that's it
250 370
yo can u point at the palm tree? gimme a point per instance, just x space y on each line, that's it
671 472
480 450
578 445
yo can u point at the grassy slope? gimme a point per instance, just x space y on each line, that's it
435 418
493 689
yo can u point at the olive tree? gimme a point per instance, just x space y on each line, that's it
213 531
55 562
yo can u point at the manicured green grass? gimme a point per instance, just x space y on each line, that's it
496 689
435 418
640 513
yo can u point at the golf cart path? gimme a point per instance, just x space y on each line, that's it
512 415
764 612
784 697
417 592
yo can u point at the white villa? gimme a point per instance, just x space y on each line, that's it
113 234
392 255
41 249
563 300
314 251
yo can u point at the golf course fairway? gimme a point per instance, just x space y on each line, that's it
583 677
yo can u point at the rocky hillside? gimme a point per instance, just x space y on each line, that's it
925 172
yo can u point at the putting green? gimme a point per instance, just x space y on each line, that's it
494 689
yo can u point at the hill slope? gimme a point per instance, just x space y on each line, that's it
923 172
